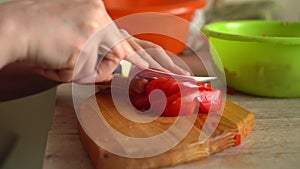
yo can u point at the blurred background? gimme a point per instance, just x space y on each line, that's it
222 10
24 123
287 10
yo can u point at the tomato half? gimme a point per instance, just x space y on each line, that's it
181 96
168 85
178 105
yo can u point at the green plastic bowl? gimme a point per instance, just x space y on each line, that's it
259 57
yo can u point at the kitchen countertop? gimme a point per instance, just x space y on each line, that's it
273 143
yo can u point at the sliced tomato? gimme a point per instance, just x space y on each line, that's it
141 102
204 86
181 96
177 100
168 85
209 101
175 104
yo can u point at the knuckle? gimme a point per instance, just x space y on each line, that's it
158 48
98 4
77 53
143 53
89 28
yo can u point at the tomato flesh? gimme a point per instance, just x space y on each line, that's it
210 101
141 102
182 97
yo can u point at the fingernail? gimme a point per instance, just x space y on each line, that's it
187 73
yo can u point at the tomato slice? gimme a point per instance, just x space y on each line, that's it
185 104
209 101
168 85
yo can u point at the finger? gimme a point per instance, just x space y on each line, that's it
159 54
106 67
86 62
118 45
102 74
111 40
135 58
142 53
103 70
95 78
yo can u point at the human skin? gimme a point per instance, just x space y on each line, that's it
51 35
60 40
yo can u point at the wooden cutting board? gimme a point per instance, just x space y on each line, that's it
235 122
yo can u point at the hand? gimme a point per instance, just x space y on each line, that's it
154 55
62 39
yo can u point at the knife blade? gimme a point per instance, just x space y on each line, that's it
153 74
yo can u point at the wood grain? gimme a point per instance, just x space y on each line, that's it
273 143
235 120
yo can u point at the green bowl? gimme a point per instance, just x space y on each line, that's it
259 57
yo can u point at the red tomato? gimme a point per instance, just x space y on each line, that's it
141 102
204 86
168 85
175 102
173 105
210 101
185 94
237 139
171 88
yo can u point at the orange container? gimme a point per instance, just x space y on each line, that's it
164 22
